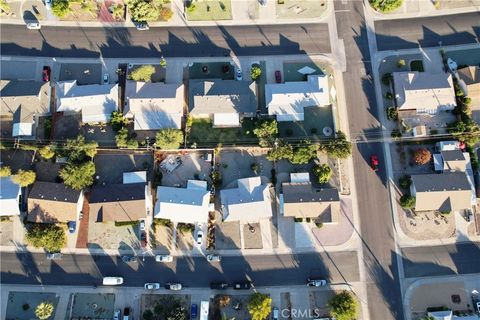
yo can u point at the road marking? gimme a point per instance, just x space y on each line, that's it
343 10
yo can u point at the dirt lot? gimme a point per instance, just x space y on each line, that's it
193 167
159 305
236 308
110 166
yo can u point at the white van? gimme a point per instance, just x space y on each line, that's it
112 281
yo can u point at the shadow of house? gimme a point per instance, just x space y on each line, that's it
433 39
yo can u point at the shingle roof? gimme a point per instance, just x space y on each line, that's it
32 96
470 75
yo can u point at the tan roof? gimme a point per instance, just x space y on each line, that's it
471 77
454 160
32 96
302 201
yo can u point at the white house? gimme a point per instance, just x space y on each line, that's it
185 205
96 102
288 100
9 197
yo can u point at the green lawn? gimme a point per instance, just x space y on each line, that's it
316 119
290 70
204 135
416 65
209 10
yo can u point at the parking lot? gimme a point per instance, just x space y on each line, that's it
111 166
84 73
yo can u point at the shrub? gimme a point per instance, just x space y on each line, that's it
405 182
308 220
125 223
5 171
216 177
396 134
298 219
47 152
392 113
387 79
259 306
389 96
422 156
319 224
401 63
186 227
254 167
48 236
191 7
142 73
407 201
44 310
343 306
25 306
4 6
163 222
323 173
169 138
24 177
61 8
166 14
255 72
118 121
223 301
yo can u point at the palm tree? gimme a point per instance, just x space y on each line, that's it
44 310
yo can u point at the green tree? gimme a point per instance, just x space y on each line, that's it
177 313
79 150
143 73
121 138
47 152
143 11
78 176
339 147
5 171
386 5
61 8
24 177
323 173
255 72
169 138
407 201
401 63
282 151
387 78
259 306
405 182
4 6
343 306
216 177
118 121
44 310
266 132
303 155
465 131
163 62
392 113
117 11
48 236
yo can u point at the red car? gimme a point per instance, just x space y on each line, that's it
278 77
143 239
46 73
374 162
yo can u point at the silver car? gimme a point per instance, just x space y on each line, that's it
33 25
163 258
54 256
174 286
316 283
213 258
152 286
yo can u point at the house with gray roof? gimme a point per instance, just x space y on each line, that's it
249 202
23 102
183 205
223 101
9 197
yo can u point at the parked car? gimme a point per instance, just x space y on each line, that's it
477 307
129 259
275 313
46 73
126 313
33 25
218 285
163 258
152 286
72 226
374 162
117 314
199 237
213 258
278 76
173 286
194 311
316 283
112 281
242 285
106 78
142 225
238 74
143 239
54 256
48 4
142 26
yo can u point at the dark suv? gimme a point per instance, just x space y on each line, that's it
218 285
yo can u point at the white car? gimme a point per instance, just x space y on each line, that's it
316 283
106 78
199 237
142 225
213 258
152 286
163 258
33 25
174 286
48 4
263 3
142 26
116 314
238 74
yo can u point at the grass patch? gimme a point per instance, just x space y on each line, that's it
209 10
416 65
125 223
204 135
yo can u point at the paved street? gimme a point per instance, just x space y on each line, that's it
169 42
428 32
382 283
273 270
441 260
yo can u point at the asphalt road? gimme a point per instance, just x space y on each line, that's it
262 270
380 260
428 32
169 42
441 260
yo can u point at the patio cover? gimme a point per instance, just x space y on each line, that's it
226 120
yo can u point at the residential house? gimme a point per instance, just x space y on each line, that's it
95 102
184 205
223 101
10 193
120 202
445 192
300 199
249 202
423 92
469 81
23 102
288 100
50 202
154 106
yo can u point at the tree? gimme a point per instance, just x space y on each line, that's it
118 121
422 156
121 138
266 132
255 72
143 73
405 182
79 150
169 138
148 314
407 201
166 14
47 152
61 8
303 155
143 11
78 176
4 6
282 151
343 306
48 236
24 177
323 173
177 313
392 113
44 310
339 147
5 171
259 306
401 63
386 5
465 131
117 11
163 62
216 177
387 78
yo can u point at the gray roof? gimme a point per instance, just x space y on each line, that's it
303 192
117 192
441 182
54 192
222 96
452 155
32 96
